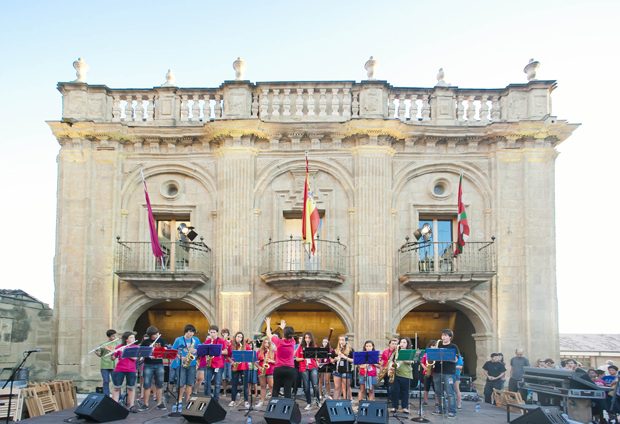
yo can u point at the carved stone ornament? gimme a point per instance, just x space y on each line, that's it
81 69
371 66
441 82
303 285
170 78
157 285
166 290
531 68
444 287
239 66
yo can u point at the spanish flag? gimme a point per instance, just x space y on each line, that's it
310 220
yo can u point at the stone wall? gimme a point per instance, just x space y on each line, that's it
26 324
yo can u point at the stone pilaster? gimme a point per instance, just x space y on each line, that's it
484 348
373 234
235 177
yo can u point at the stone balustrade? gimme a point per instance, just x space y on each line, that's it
331 101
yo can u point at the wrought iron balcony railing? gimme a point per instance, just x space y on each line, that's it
291 255
179 257
438 258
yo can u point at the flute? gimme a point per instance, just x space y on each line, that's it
100 346
121 349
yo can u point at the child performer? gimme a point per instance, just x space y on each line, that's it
125 369
265 357
239 370
400 387
324 372
368 376
308 369
342 356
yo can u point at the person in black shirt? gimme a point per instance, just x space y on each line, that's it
444 376
153 368
494 370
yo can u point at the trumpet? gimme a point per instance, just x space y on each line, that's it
121 349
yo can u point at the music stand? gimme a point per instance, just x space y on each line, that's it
316 353
247 356
417 355
366 357
135 352
170 355
209 350
441 355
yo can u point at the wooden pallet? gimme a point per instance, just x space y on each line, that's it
17 402
504 397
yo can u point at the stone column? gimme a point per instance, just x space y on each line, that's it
235 182
484 348
85 240
373 234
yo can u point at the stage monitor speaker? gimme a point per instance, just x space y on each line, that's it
335 411
542 415
203 409
373 412
101 408
282 411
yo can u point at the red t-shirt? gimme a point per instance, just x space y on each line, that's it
385 357
306 363
243 366
425 363
227 359
372 371
286 349
261 362
218 361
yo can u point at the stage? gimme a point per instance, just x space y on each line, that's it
488 415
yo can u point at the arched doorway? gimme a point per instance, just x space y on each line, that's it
307 316
429 319
170 318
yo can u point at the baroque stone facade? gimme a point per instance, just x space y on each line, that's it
383 160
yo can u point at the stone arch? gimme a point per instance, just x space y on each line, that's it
470 305
131 311
272 171
470 173
134 179
336 305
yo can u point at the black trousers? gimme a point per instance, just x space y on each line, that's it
283 377
488 389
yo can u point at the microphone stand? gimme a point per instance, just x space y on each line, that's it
420 418
12 380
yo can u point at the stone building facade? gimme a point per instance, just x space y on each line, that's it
229 162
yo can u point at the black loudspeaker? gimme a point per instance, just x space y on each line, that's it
203 409
373 412
101 408
542 415
335 411
282 411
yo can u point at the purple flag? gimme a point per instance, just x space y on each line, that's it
154 239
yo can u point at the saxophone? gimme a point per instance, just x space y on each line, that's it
431 364
209 360
388 365
393 366
263 370
187 362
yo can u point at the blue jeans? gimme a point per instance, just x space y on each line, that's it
187 376
119 376
151 370
448 387
311 376
227 371
106 374
217 376
236 375
400 391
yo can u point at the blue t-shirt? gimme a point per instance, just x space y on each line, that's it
608 379
183 344
461 363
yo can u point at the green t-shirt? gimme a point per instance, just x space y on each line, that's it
404 370
108 363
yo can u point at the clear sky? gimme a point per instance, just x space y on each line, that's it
479 44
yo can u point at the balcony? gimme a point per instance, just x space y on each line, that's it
287 267
431 268
184 266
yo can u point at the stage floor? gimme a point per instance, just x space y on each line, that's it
488 415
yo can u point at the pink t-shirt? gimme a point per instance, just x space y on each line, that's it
286 352
126 364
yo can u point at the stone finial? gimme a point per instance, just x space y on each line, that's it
441 82
81 69
371 67
169 79
531 68
239 66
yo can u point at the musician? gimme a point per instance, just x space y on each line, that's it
428 373
265 356
284 370
227 373
239 370
153 368
368 376
216 369
186 344
494 370
385 358
449 376
107 363
342 356
125 369
308 369
324 371
400 387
